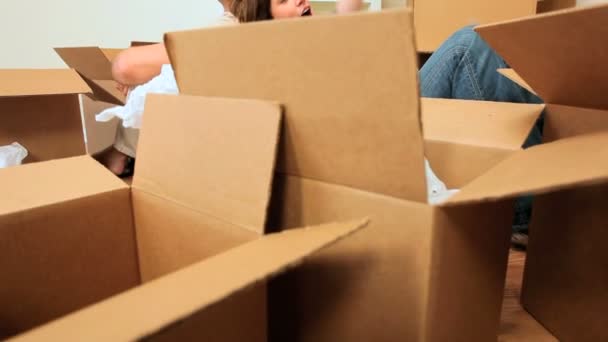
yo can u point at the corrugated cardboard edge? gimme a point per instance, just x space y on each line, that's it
128 316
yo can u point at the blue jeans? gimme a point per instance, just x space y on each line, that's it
464 67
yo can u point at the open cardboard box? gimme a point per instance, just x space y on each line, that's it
352 143
94 64
181 252
436 20
562 57
40 110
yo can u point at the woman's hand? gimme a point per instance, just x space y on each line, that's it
123 89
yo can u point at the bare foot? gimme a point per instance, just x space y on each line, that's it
113 159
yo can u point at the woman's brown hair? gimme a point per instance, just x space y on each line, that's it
251 10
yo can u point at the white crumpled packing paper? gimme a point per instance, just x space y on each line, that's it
131 113
12 155
437 191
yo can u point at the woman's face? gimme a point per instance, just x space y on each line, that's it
281 9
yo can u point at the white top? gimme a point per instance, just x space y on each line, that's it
227 18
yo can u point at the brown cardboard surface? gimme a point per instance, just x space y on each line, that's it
479 123
105 90
171 237
54 261
49 127
566 270
539 169
469 259
458 164
372 287
463 139
372 141
513 76
388 279
214 163
28 82
99 135
558 54
127 316
554 5
564 121
91 62
241 310
111 53
42 184
94 65
436 20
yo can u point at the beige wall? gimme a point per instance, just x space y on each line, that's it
29 29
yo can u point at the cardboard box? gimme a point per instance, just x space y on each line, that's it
94 64
40 110
561 57
181 252
352 143
436 20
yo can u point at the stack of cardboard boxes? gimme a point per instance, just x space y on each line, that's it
313 122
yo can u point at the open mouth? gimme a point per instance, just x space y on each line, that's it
307 12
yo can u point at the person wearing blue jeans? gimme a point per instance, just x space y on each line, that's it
464 67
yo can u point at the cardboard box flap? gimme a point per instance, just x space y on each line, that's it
111 53
561 55
45 183
29 82
513 76
497 124
562 164
91 61
127 317
95 67
106 91
214 155
351 113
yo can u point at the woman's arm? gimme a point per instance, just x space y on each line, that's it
138 65
348 6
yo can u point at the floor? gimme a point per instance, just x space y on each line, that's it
517 324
